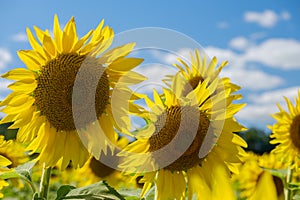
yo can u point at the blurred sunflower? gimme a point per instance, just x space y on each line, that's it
255 181
197 70
4 162
94 171
189 135
286 133
44 107
15 152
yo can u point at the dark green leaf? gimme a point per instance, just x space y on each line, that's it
63 191
92 192
113 191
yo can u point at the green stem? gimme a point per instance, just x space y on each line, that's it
288 191
31 184
44 184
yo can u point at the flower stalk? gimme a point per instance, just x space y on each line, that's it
287 190
44 184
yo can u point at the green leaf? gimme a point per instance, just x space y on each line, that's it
113 191
281 173
92 192
293 186
130 194
22 171
10 174
296 197
150 194
25 170
63 191
36 197
132 198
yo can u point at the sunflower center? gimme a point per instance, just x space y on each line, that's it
54 91
176 127
99 169
295 132
192 84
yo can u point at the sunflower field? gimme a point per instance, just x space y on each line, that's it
67 128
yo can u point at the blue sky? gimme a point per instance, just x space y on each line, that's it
260 39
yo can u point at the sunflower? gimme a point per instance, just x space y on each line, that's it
56 97
94 171
15 152
197 70
286 133
189 135
255 181
4 162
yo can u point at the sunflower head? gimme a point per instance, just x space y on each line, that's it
190 133
187 123
254 177
66 89
286 133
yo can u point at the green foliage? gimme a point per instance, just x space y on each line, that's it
8 133
100 190
22 171
258 140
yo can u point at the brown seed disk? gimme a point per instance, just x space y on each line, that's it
54 91
295 132
99 169
179 133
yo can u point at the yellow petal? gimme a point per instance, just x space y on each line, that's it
24 88
125 64
29 61
82 41
117 52
33 42
4 161
49 46
97 32
19 74
69 36
57 34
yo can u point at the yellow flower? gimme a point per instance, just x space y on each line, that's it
15 152
55 96
254 182
189 135
94 171
286 133
4 162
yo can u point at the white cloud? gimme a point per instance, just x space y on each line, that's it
223 55
267 18
241 73
5 58
258 35
275 96
171 58
256 115
155 73
277 53
3 88
240 43
262 105
19 37
242 69
285 15
222 25
252 79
